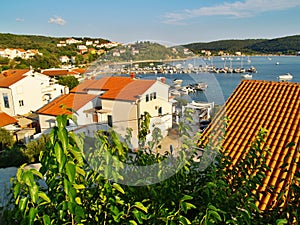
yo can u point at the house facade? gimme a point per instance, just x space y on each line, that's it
115 102
23 91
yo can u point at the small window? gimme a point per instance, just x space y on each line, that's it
151 96
21 103
147 98
5 99
160 111
109 120
154 95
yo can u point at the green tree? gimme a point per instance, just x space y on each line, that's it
6 139
34 148
69 81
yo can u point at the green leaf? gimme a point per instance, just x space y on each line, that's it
183 220
71 171
78 201
281 221
23 204
186 197
28 178
61 121
78 186
35 172
32 214
215 215
46 220
17 188
118 188
44 197
34 191
132 222
63 137
140 206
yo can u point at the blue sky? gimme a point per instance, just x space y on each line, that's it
170 21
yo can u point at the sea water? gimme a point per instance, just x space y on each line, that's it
221 85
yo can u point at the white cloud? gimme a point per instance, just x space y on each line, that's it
57 20
19 19
238 9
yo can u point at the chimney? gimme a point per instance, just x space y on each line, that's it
163 80
132 75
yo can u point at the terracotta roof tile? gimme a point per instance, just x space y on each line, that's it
274 106
9 77
82 87
72 100
6 119
58 72
79 70
117 88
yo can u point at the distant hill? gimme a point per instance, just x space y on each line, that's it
284 45
43 43
146 50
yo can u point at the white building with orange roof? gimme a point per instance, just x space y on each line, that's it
24 91
121 103
7 122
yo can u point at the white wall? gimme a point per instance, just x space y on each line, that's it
10 110
29 91
83 119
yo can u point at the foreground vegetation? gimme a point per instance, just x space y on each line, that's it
77 186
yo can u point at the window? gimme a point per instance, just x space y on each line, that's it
5 100
151 96
109 120
21 103
154 95
160 111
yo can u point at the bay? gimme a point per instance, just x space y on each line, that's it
221 85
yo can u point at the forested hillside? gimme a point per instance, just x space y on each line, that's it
284 45
45 45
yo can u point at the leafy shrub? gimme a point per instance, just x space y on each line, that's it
70 190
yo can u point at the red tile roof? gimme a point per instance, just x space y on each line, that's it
82 87
72 100
117 88
6 119
79 70
58 72
9 77
274 106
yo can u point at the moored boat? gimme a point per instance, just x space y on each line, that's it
247 76
286 76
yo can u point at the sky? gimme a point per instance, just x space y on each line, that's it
167 21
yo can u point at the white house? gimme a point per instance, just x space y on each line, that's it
7 122
12 53
116 102
81 103
64 59
70 41
23 91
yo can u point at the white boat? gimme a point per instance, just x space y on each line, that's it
247 76
177 81
286 76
